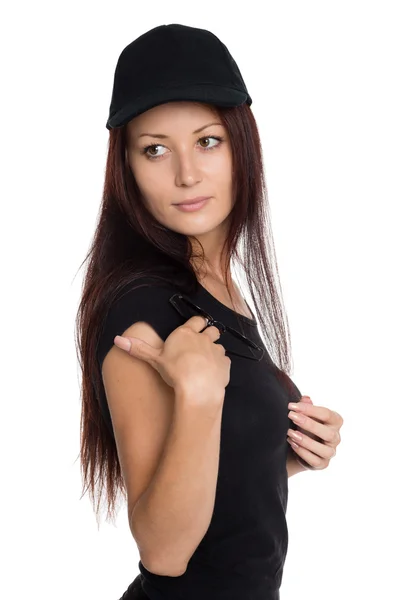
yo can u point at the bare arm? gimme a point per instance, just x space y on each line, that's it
172 516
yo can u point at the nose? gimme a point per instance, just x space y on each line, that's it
187 170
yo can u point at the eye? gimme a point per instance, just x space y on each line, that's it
211 137
146 149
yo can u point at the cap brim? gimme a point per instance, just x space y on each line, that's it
206 93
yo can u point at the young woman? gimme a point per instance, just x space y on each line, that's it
185 409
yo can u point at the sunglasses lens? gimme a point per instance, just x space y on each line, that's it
240 347
184 308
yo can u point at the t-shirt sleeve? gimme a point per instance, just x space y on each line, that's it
148 303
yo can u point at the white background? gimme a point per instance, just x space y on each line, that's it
324 78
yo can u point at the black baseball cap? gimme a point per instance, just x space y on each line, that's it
174 62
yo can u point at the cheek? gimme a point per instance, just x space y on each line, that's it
220 163
155 199
155 203
149 184
219 173
223 171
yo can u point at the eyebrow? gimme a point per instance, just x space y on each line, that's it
162 136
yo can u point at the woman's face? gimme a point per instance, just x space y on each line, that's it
181 163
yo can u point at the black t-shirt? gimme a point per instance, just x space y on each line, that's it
243 552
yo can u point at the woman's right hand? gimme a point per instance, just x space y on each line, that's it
188 360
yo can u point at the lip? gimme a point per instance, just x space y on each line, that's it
192 206
192 201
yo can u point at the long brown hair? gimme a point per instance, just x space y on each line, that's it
129 242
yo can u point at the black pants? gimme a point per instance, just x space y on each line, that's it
134 591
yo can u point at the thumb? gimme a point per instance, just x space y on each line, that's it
137 348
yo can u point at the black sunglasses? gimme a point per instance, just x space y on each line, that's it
239 345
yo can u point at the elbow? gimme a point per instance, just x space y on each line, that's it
161 568
154 562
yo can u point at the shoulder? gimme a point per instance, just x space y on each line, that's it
144 303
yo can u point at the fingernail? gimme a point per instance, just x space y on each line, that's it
294 434
297 418
292 443
122 342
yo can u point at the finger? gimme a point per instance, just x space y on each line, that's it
309 457
326 433
137 348
212 332
321 450
306 399
197 323
320 413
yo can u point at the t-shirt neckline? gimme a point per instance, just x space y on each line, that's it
223 306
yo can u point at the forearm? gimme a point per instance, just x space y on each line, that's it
174 513
292 465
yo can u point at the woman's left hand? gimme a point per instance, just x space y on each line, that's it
324 425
